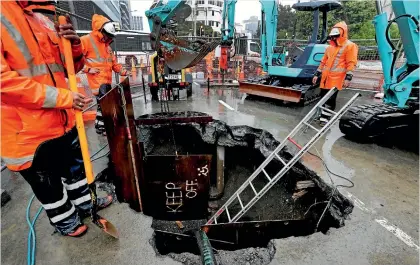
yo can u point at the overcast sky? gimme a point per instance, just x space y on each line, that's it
244 9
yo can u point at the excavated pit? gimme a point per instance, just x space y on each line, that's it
293 212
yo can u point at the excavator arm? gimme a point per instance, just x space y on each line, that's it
178 53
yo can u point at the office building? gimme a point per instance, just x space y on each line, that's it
85 10
137 23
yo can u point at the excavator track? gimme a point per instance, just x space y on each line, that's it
372 120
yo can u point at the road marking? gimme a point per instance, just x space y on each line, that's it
401 235
226 105
361 205
397 232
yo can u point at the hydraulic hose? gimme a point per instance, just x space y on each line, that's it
394 50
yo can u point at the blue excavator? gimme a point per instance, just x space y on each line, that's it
290 83
400 106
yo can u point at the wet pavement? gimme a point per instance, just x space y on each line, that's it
383 228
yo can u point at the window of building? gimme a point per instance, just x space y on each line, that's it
197 12
217 24
219 3
200 2
212 2
212 13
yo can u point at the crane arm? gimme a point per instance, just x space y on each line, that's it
268 27
178 53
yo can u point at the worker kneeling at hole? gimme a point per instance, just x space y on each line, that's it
100 61
336 67
38 134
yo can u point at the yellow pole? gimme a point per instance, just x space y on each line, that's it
79 117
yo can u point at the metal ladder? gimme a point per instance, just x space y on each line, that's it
286 165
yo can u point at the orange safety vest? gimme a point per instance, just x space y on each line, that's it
99 55
338 60
36 104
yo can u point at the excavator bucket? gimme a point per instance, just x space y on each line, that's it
184 54
282 93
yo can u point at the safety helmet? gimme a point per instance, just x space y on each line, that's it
109 29
335 32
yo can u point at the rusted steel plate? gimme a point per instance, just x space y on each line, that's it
173 117
176 187
257 233
115 125
282 93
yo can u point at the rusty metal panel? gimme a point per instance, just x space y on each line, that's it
173 117
125 167
282 93
176 187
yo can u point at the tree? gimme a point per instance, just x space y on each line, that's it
186 27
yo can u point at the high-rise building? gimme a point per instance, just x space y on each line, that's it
86 9
208 12
125 14
137 23
251 24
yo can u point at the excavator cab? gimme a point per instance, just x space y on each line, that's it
292 83
311 56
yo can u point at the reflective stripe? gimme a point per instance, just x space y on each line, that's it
95 48
350 72
323 119
338 70
99 60
76 185
340 52
56 68
63 216
19 40
51 94
81 199
41 69
17 161
54 205
95 91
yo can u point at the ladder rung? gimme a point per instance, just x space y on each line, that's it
266 174
252 187
309 125
239 199
328 110
215 220
228 214
279 158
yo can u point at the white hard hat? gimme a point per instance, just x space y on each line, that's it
335 32
109 29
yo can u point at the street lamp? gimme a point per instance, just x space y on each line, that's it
201 30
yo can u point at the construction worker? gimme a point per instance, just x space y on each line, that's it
38 136
100 61
336 67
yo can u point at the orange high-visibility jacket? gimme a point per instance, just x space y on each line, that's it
99 55
36 104
338 60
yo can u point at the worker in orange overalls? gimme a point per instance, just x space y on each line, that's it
336 67
100 61
38 134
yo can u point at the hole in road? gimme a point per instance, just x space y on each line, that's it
294 204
